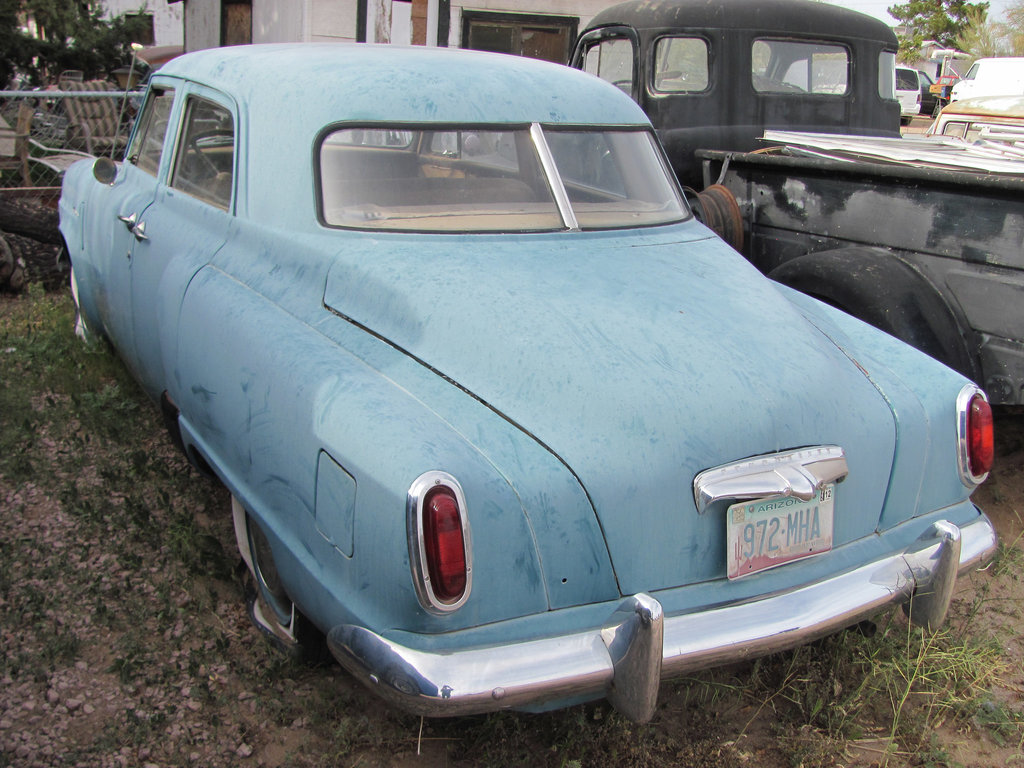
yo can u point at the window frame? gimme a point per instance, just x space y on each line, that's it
656 43
556 184
188 98
145 123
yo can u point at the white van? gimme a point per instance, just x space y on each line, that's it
908 93
991 77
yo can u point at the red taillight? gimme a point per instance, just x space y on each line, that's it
444 543
980 439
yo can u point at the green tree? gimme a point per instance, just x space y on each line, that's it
1014 28
70 34
984 37
940 20
981 37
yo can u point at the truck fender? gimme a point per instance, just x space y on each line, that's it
882 289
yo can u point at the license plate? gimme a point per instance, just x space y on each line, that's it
765 533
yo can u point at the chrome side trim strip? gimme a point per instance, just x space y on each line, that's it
800 473
626 659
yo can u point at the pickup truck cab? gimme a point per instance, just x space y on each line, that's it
717 75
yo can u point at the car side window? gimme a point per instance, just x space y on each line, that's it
681 65
954 128
785 66
148 143
611 59
205 161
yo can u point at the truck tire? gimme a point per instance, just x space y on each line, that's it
878 287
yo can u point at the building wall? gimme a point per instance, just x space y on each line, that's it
332 21
336 20
584 10
202 25
279 21
168 25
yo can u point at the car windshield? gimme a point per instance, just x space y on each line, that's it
468 179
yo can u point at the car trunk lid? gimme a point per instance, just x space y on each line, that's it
638 360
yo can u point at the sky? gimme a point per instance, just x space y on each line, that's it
877 8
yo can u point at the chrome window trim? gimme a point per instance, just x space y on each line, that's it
963 404
800 473
417 547
547 161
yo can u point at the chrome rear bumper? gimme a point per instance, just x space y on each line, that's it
625 659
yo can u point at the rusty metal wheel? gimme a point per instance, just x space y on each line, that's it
718 210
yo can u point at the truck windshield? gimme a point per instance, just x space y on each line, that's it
517 179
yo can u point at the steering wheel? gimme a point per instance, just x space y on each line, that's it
193 146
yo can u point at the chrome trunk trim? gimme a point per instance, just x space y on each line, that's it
800 473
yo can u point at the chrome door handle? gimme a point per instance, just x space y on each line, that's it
129 221
139 230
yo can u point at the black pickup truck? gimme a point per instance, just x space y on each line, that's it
908 237
716 75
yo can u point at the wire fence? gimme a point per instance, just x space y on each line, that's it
42 133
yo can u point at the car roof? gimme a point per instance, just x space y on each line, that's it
287 95
784 17
987 106
330 82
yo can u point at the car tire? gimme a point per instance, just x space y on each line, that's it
270 607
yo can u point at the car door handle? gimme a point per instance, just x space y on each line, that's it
139 230
129 221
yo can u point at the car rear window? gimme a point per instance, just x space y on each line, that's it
515 179
906 80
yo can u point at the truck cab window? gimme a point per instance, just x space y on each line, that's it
887 75
681 65
611 59
786 66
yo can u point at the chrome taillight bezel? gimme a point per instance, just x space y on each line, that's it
963 407
417 546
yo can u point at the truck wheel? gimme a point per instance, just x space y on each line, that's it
880 288
717 209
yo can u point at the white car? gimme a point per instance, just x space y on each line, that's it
991 77
990 118
908 93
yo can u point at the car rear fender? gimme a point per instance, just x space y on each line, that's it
264 398
923 400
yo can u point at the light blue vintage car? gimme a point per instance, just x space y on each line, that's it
498 416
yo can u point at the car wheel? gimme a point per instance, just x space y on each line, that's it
270 608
